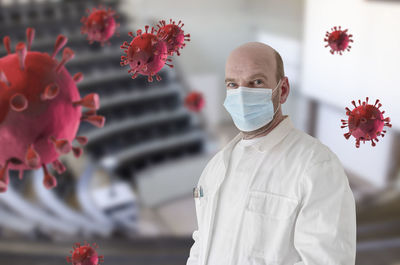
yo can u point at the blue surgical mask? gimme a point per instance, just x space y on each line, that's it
250 108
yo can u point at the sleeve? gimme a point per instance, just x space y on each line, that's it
194 250
325 230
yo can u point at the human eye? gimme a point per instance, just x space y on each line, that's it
258 82
230 85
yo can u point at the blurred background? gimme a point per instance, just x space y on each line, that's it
131 191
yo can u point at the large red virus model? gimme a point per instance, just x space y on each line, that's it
85 255
145 55
40 110
173 35
99 25
365 122
338 40
194 101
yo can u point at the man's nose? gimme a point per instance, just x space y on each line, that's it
244 84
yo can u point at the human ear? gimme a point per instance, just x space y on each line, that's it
285 89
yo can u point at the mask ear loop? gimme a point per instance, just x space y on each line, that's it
276 86
271 98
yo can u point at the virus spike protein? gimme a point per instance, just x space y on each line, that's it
365 122
40 110
85 255
338 40
145 55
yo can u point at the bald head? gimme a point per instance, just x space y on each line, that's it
255 58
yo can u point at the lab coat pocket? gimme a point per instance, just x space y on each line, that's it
271 205
259 261
269 223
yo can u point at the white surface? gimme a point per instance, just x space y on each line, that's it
33 213
179 216
170 181
369 69
113 196
289 49
371 163
52 203
231 194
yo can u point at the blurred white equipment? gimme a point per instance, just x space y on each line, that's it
167 182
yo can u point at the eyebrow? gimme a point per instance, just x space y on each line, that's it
256 75
248 78
229 79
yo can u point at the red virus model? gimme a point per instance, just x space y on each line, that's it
85 255
40 110
145 55
99 25
338 40
194 101
173 35
365 122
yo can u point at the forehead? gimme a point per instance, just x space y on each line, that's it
244 64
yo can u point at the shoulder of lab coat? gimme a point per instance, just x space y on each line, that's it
325 231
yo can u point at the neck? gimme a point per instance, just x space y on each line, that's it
265 129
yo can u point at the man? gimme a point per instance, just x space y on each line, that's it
274 195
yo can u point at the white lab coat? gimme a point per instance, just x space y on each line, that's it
299 209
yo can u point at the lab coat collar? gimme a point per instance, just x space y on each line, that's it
275 136
272 138
227 150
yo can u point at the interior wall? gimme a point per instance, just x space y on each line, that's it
369 69
373 164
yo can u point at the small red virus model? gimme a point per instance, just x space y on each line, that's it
194 101
99 25
40 110
338 40
145 55
173 35
85 255
365 122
